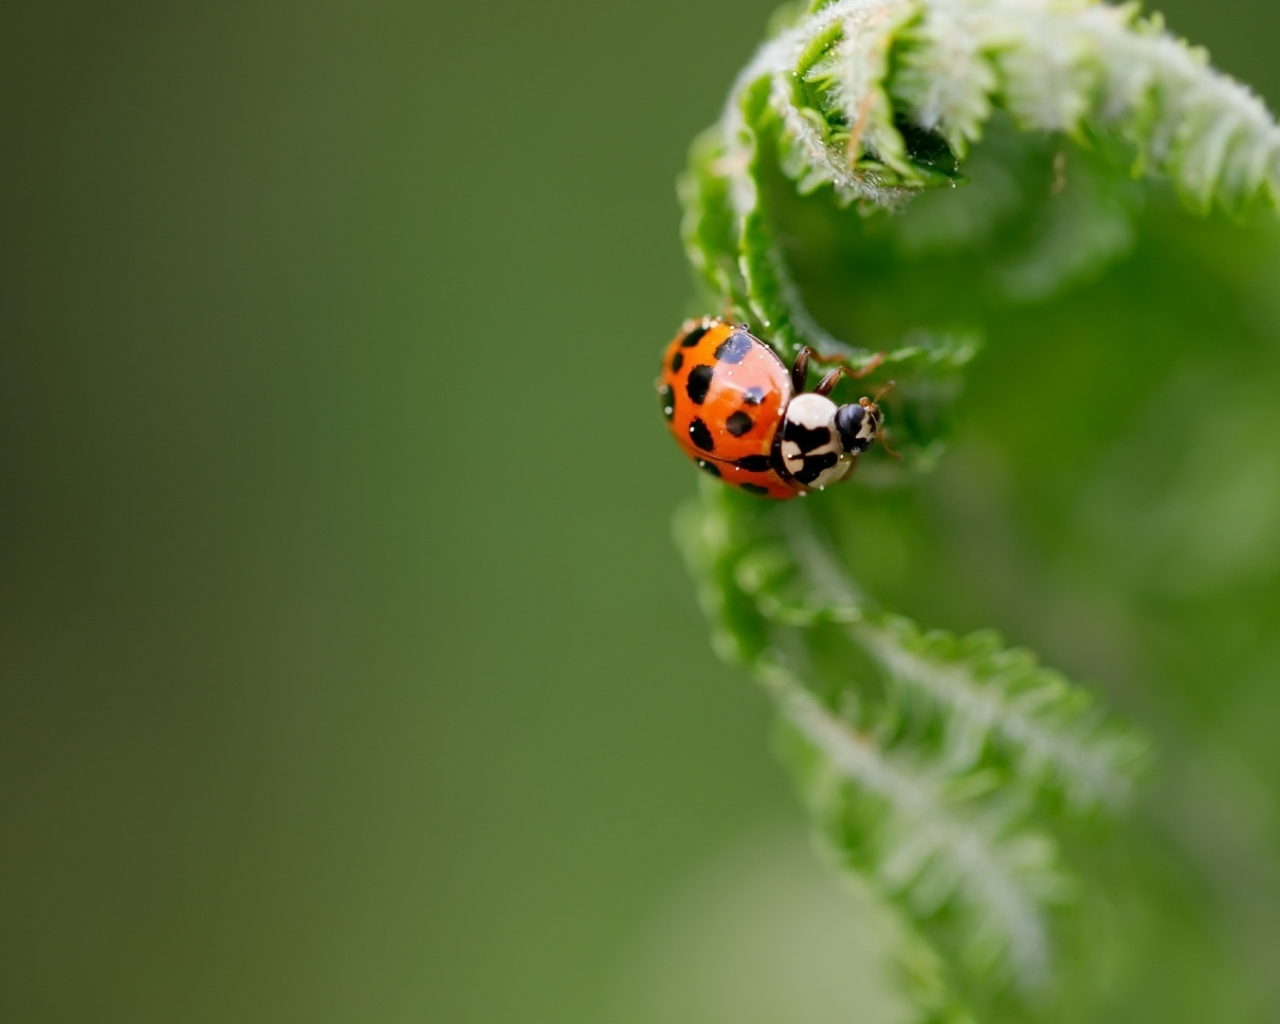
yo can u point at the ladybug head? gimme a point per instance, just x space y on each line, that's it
858 425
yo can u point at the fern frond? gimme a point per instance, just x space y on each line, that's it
925 773
879 99
950 772
931 847
985 697
1059 66
1055 65
986 694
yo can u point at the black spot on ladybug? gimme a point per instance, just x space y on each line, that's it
677 361
734 348
754 463
710 467
754 488
667 400
739 423
701 436
815 466
753 396
806 438
699 383
693 337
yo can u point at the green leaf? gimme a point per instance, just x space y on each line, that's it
904 169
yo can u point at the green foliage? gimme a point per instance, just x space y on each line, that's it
906 174
930 762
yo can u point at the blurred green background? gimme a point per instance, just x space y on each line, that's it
347 670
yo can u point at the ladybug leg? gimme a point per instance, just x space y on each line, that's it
800 369
871 365
828 383
882 438
831 379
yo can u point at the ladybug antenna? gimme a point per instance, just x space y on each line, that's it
881 436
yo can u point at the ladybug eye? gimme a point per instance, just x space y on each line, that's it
849 423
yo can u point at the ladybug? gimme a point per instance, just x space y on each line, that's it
738 412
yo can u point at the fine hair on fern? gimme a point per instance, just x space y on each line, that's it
969 785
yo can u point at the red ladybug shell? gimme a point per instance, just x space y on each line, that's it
724 393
